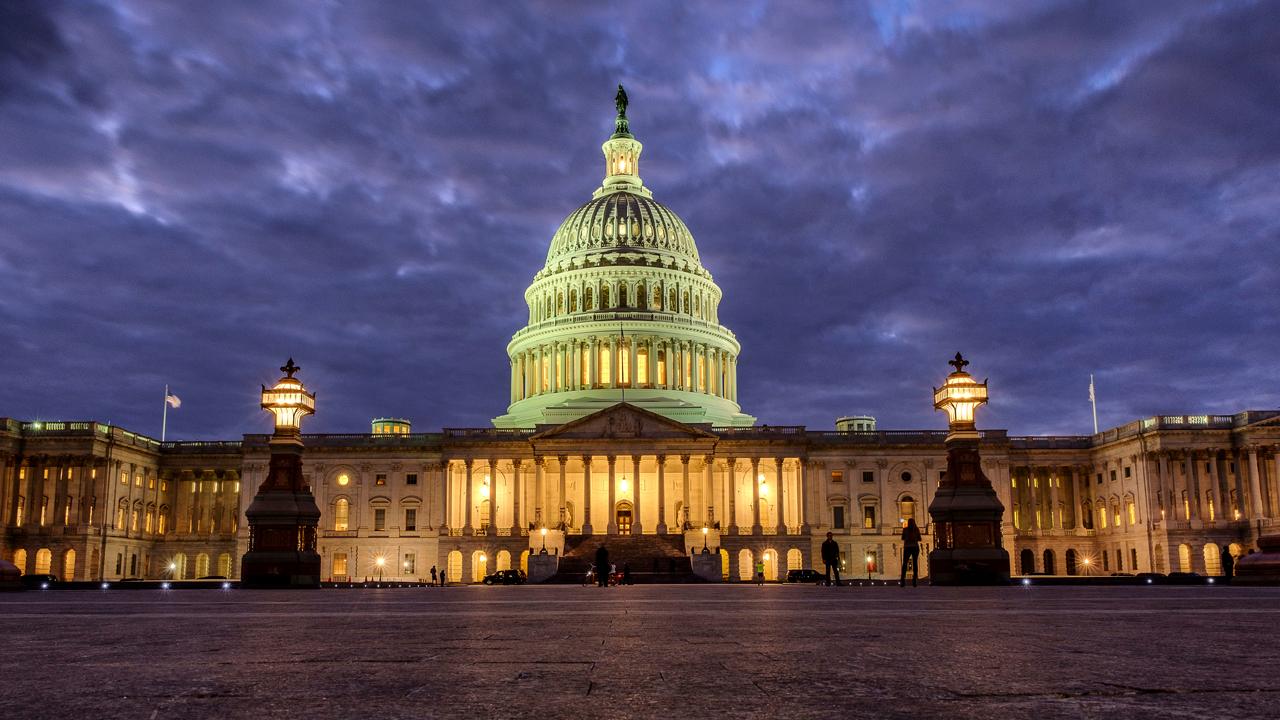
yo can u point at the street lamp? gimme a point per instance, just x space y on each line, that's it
544 541
1086 562
870 559
173 567
288 401
380 562
959 397
704 539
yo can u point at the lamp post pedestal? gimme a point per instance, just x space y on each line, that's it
966 512
283 518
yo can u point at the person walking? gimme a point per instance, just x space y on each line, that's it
433 574
910 552
443 576
831 558
602 566
1228 564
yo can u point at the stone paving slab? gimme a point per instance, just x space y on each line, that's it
644 652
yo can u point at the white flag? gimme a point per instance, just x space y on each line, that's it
173 400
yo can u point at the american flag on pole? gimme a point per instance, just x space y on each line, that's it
172 400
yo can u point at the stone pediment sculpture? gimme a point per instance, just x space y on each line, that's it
623 421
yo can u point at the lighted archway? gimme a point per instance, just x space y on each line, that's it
179 565
724 565
69 565
1212 559
795 559
771 565
20 559
202 565
455 566
745 563
44 561
504 561
479 565
224 565
1184 557
524 562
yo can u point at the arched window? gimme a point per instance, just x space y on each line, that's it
1184 558
479 565
560 303
341 514
1027 561
906 508
455 566
604 298
162 524
587 300
504 560
20 559
178 566
44 561
202 565
20 517
224 565
662 367
745 562
603 367
684 305
1049 562
672 303
1072 566
69 565
642 365
573 300
1212 559
795 559
697 305
657 299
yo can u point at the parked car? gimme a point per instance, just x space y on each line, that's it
1151 578
38 581
808 575
505 577
1184 578
212 577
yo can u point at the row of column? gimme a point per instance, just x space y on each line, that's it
1197 485
471 521
1040 489
624 362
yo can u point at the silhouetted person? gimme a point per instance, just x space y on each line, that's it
433 574
910 552
831 558
1228 564
626 573
444 574
602 566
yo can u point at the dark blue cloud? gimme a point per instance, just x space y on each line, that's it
192 192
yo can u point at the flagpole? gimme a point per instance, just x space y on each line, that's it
164 419
1093 400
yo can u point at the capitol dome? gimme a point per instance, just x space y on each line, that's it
623 311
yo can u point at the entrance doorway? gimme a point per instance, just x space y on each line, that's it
622 515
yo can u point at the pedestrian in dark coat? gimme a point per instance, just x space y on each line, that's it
433 574
910 552
831 558
602 566
1228 564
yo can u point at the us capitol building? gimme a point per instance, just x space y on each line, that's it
624 428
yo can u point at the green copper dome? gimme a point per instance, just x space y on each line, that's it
623 311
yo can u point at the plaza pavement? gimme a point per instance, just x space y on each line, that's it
645 651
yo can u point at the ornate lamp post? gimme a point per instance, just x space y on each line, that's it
283 515
966 512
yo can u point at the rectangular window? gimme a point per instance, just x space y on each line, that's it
868 476
411 519
837 517
642 366
379 519
137 480
1099 478
1106 561
410 564
340 564
1128 471
837 477
411 479
124 478
1113 476
380 479
662 367
151 482
869 516
119 562
1133 558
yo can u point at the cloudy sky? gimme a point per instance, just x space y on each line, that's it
192 192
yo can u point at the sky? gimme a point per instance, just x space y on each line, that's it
192 192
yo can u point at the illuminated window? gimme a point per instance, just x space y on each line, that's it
44 510
410 564
672 304
1186 506
546 372
92 506
907 508
1132 510
656 303
341 512
1102 517
604 298
1115 512
66 511
133 520
602 372
702 373
624 364
124 478
340 564
410 519
163 523
662 367
137 480
869 517
150 521
573 300
380 479
587 300
151 482
343 480
379 519
44 561
642 366
22 475
20 559
69 566
837 476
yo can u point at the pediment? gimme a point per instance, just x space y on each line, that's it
624 421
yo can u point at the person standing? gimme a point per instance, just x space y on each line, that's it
760 572
626 573
602 566
831 558
910 552
433 574
443 575
1228 564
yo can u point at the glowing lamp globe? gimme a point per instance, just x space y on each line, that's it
288 401
960 396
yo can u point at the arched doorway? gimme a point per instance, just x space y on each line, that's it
724 565
1027 561
224 565
504 560
202 565
1212 559
1049 568
795 559
771 565
1158 556
44 561
178 566
1184 557
622 516
20 559
524 562
479 565
744 565
69 565
1072 568
455 567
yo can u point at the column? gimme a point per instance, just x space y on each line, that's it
731 486
1255 485
517 485
1215 499
803 470
467 527
612 525
562 460
1055 522
539 491
593 363
1166 488
586 495
782 498
537 372
662 495
1193 484
653 363
492 529
636 527
756 529
684 488
613 361
709 491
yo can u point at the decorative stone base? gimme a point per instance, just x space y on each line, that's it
969 566
542 567
270 569
707 566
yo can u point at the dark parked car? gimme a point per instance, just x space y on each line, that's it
212 577
1184 578
1151 578
805 576
39 581
505 577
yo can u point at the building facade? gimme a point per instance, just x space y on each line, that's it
623 423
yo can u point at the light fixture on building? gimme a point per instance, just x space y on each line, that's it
959 397
704 538
623 485
483 558
288 401
544 541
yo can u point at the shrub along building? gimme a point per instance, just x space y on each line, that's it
624 428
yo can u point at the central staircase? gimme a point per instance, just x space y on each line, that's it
653 558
